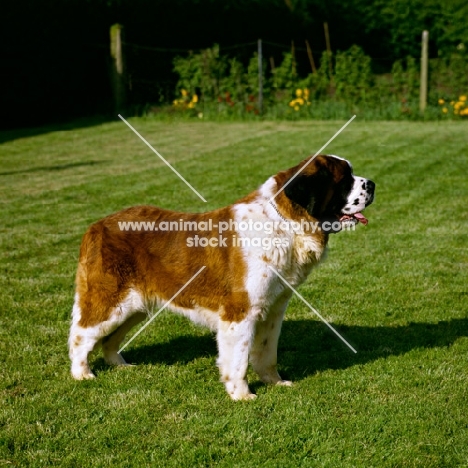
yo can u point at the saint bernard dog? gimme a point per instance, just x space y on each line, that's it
131 263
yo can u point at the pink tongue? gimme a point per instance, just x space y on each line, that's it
361 218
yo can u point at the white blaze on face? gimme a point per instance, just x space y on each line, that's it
358 197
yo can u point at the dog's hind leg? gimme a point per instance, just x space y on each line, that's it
84 338
112 342
81 342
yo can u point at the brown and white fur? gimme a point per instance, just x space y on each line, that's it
123 273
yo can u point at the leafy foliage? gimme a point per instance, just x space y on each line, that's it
285 76
353 76
344 80
405 77
449 75
202 72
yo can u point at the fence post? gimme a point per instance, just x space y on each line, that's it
327 36
272 64
260 78
293 55
117 68
329 51
424 71
311 57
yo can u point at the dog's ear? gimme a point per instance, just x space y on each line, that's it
309 191
301 191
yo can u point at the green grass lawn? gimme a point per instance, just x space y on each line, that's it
396 290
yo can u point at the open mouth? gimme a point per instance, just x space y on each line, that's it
356 217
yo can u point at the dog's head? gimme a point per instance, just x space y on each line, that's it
327 189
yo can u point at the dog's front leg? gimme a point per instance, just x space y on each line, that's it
234 341
263 355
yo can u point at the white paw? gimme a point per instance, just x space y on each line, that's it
284 383
246 397
83 374
239 390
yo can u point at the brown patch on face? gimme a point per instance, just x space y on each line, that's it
159 263
316 183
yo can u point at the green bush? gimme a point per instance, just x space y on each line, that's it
212 85
353 76
202 73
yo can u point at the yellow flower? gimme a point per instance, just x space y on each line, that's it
464 111
444 110
458 105
441 101
462 98
194 98
191 105
297 102
296 108
306 93
298 93
184 92
178 102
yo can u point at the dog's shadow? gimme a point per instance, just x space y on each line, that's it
308 346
